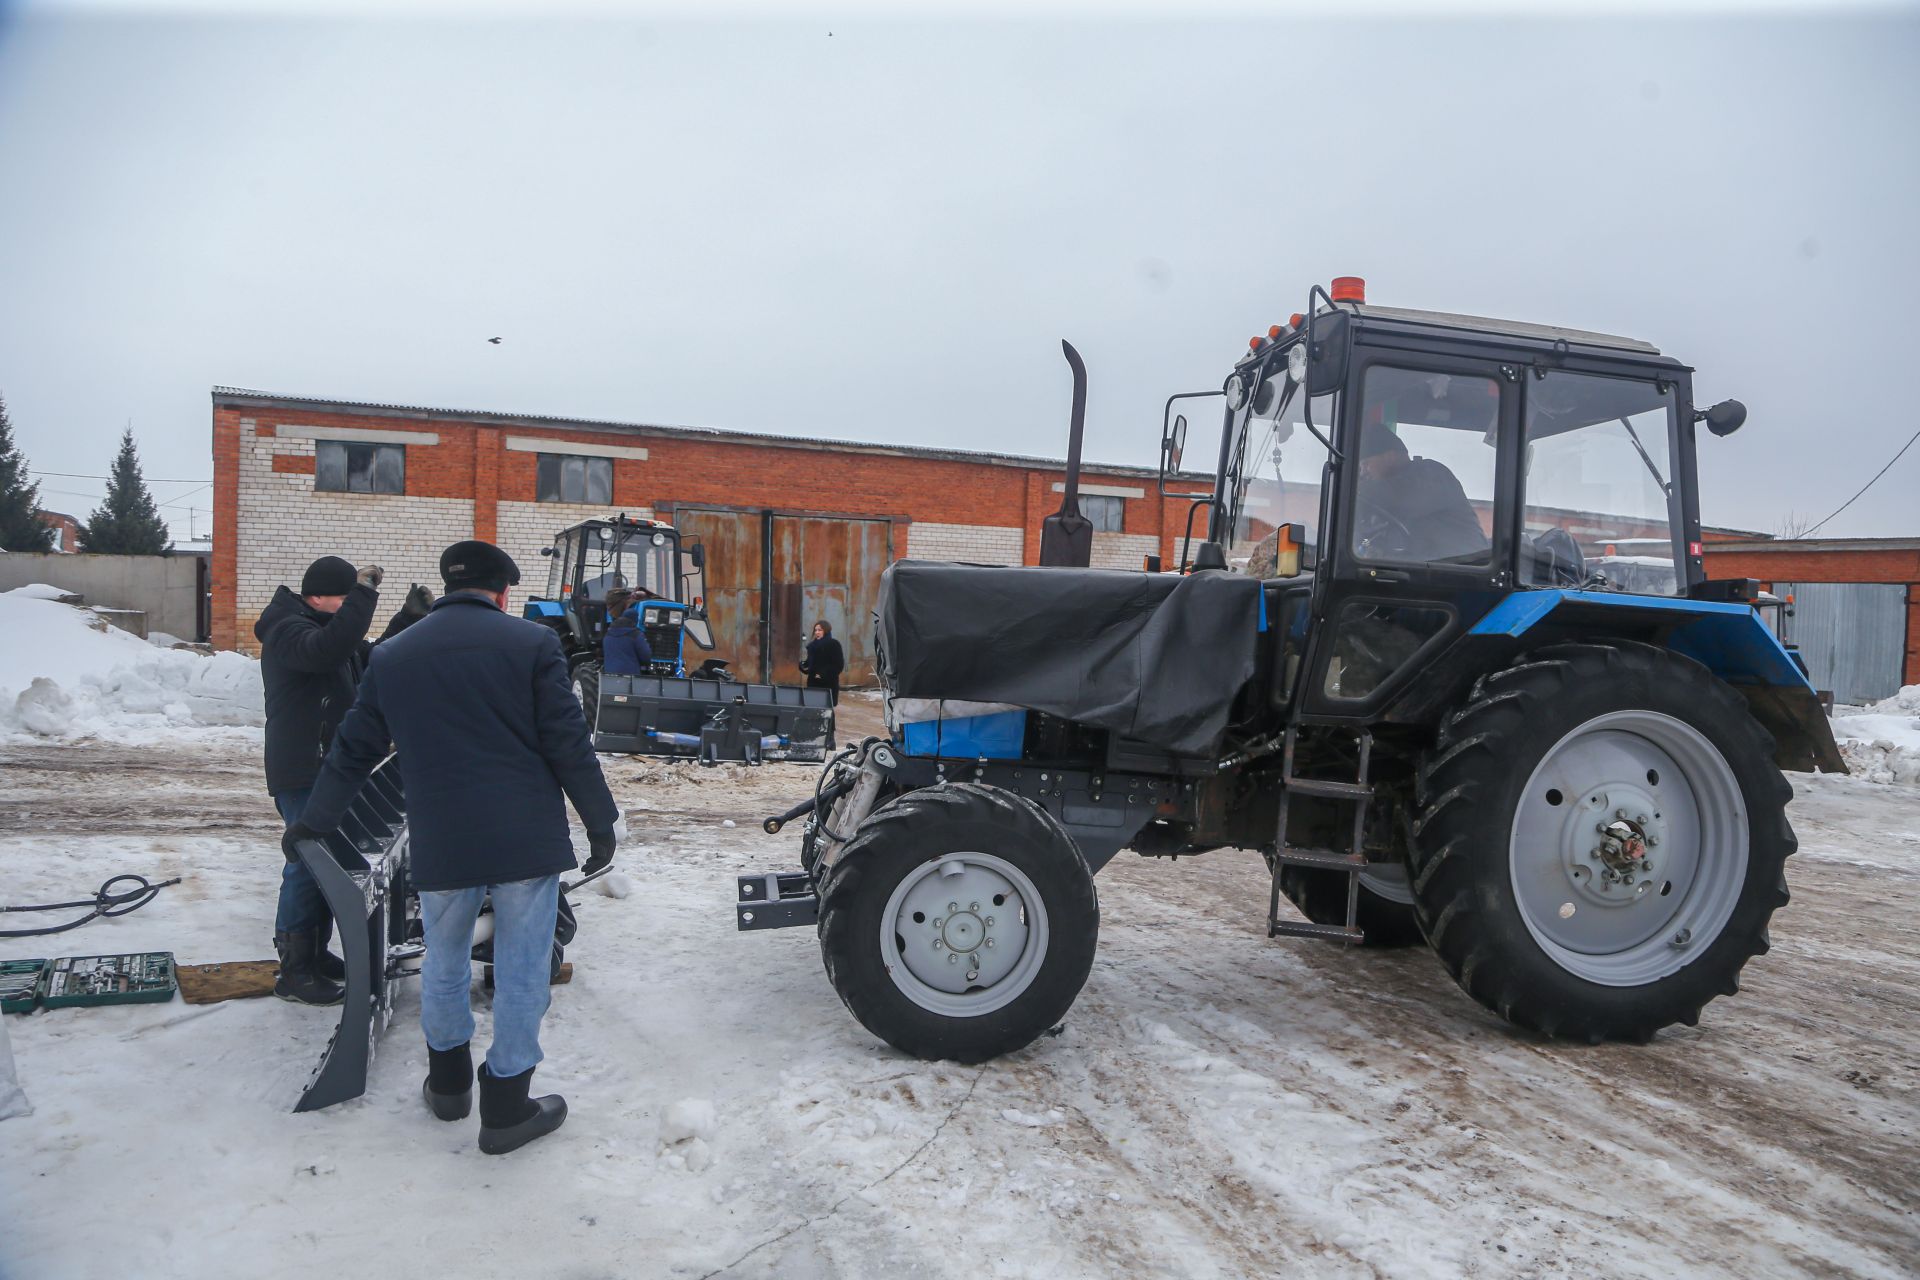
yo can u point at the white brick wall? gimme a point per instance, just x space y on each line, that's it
526 527
972 543
284 526
1123 550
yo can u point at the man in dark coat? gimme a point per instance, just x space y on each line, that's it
825 660
313 647
492 744
1413 509
624 650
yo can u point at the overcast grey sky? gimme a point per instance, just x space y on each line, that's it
881 233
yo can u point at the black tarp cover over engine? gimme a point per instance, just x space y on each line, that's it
1154 657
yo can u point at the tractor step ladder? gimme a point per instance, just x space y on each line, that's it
1360 794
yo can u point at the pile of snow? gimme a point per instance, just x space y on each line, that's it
1881 743
65 674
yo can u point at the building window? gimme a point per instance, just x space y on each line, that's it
344 467
566 477
1107 514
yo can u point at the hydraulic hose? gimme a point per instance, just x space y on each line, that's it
106 901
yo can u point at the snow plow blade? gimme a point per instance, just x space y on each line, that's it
362 873
713 721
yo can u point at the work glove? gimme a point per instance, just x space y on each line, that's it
371 575
600 846
295 834
417 605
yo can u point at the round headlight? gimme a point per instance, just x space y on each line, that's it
1236 392
659 539
1297 361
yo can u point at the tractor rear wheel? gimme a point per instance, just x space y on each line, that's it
1384 912
1600 841
959 922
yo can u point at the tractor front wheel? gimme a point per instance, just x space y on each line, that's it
1600 841
959 922
586 687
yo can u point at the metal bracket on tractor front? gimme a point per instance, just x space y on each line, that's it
775 900
362 873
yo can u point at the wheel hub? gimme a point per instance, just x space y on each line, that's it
1629 846
960 934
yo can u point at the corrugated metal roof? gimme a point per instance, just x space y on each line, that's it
481 417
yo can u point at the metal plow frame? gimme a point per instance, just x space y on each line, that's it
362 873
713 721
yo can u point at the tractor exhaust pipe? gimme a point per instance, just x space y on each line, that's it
1066 536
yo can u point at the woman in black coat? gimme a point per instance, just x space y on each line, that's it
825 660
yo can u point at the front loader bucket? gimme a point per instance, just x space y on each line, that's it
713 721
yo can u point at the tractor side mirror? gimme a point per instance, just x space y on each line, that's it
697 555
1174 445
1327 361
1726 417
546 551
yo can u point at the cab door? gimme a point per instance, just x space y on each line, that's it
1420 545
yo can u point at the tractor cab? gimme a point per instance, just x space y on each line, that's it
645 560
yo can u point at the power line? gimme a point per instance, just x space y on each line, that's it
1869 484
82 475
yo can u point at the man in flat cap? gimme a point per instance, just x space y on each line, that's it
313 647
492 744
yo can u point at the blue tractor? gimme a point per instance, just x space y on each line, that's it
1404 658
668 710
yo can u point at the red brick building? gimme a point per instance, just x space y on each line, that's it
295 478
1784 564
66 529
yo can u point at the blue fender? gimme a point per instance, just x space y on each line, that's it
1727 639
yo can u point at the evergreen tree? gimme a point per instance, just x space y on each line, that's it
19 498
126 523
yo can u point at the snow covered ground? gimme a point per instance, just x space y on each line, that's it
1218 1104
65 674
1881 742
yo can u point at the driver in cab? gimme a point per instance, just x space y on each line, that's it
1413 508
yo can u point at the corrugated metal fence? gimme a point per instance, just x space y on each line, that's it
1853 636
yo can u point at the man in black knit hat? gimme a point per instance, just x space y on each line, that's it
493 744
313 647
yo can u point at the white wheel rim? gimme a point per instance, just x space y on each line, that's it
964 934
1626 919
1388 880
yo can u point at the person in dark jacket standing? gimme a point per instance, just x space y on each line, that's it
825 660
624 650
313 647
493 744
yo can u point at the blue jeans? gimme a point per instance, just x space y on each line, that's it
301 906
523 918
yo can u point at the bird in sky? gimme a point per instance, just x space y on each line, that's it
494 341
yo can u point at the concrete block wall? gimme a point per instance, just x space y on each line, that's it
1123 550
165 588
288 526
971 543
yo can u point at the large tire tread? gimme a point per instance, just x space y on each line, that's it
1464 792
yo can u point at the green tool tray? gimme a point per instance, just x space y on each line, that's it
21 980
143 977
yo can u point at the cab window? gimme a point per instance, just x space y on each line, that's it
1599 485
1425 457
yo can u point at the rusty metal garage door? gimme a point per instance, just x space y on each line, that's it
1852 634
771 575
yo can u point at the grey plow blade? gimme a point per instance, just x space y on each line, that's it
713 721
362 873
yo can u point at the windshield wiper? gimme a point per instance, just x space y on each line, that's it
1647 458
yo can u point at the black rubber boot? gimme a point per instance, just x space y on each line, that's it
297 980
448 1088
326 964
509 1119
